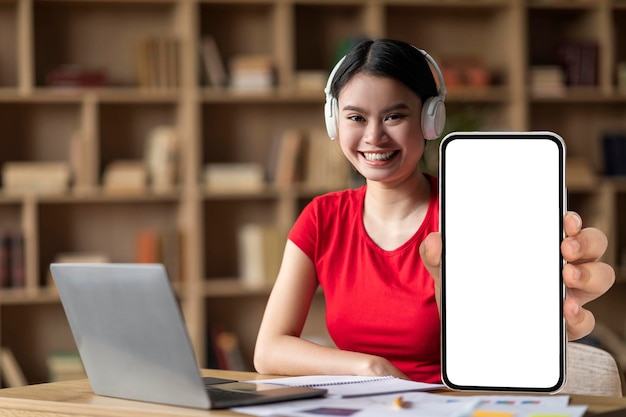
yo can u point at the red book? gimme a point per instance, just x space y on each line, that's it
148 247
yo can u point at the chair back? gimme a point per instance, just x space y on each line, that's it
591 371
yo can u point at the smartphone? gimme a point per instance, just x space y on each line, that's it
502 202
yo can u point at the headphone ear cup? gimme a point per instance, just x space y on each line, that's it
433 117
330 116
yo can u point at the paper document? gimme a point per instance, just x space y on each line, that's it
346 386
422 404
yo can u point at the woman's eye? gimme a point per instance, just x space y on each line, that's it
356 118
394 117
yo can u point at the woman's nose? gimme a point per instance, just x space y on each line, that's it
375 133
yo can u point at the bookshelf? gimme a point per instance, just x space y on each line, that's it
215 124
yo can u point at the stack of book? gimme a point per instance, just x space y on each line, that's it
547 81
125 177
231 177
252 72
76 76
35 177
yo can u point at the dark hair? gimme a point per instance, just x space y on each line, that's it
388 58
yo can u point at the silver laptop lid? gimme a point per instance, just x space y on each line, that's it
130 332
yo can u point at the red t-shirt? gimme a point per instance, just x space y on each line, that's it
378 302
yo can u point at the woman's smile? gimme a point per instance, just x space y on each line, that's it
379 157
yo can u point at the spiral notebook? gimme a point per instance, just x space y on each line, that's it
346 386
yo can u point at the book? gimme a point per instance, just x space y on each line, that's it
12 273
260 248
77 76
214 68
148 246
80 155
76 257
580 62
161 158
547 81
157 59
346 386
81 257
125 176
252 72
170 59
16 260
227 350
36 177
311 80
285 161
5 260
325 165
234 177
614 153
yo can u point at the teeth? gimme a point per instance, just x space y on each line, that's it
376 156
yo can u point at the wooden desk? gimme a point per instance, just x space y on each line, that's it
75 398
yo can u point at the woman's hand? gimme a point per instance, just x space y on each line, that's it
585 277
377 366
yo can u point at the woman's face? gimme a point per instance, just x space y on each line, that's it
380 128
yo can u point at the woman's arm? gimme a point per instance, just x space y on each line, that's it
279 348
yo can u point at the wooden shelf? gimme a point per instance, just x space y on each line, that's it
222 125
28 296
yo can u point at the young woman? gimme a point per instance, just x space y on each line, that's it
375 250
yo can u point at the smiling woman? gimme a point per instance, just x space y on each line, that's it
375 250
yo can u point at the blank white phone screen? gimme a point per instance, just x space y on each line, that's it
502 206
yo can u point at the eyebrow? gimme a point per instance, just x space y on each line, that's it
397 106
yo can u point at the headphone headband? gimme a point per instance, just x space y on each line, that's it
433 108
442 84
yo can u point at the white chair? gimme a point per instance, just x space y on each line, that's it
591 371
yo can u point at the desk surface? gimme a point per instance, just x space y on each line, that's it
71 398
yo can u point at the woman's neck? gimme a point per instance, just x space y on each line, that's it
392 215
398 201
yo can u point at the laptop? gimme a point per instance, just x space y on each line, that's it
134 344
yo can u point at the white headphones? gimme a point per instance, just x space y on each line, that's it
433 109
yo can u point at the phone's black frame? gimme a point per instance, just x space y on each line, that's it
543 135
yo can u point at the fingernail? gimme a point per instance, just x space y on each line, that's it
574 245
576 275
576 309
579 221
